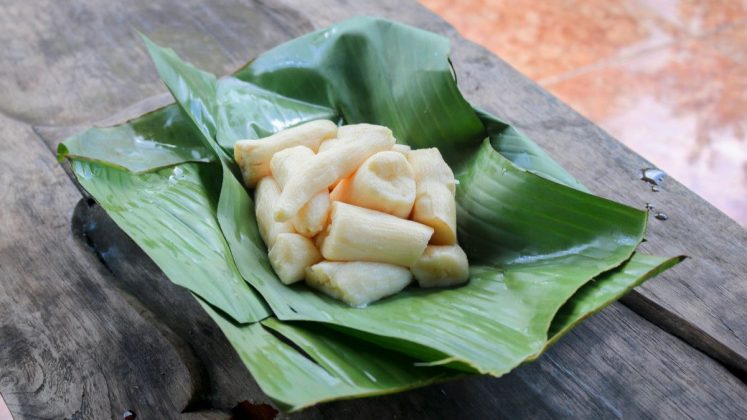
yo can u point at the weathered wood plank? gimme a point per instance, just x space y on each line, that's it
616 365
75 63
71 345
223 381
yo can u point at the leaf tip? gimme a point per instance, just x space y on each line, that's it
62 152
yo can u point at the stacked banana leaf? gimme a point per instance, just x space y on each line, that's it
544 253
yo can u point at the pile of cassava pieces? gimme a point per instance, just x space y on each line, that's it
351 212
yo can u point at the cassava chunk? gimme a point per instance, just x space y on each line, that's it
401 148
291 255
340 190
328 144
330 166
289 161
358 132
265 196
253 156
312 217
359 234
435 204
320 237
441 265
429 165
357 283
384 182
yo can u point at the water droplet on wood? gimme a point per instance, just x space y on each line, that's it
649 206
653 176
661 216
129 415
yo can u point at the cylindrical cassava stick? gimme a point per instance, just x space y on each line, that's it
429 165
357 283
253 156
328 167
441 265
312 217
265 196
435 204
384 182
328 144
358 234
289 161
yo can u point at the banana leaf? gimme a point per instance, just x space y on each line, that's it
321 364
171 214
153 141
544 252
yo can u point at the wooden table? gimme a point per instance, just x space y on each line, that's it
89 327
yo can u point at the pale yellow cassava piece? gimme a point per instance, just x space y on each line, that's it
435 205
253 156
384 182
312 217
351 212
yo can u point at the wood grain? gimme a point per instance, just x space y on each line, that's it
77 341
71 63
223 380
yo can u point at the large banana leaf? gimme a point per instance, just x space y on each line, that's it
544 252
330 365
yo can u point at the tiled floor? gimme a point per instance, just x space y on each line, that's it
666 77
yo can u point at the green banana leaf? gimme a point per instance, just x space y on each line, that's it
522 152
153 141
605 289
544 252
328 365
170 213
